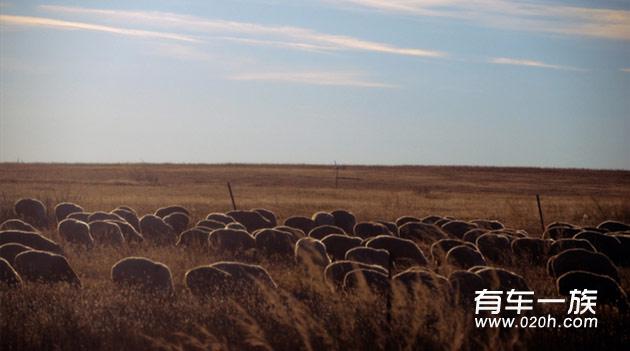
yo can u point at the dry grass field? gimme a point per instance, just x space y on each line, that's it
508 194
303 314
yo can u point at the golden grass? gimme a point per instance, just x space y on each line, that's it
508 194
304 314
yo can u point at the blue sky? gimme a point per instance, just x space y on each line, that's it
478 82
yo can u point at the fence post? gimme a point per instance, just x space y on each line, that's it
231 196
540 213
336 175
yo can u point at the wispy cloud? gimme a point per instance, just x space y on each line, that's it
517 15
280 44
28 21
348 79
529 63
248 33
180 52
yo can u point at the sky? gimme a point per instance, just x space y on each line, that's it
430 82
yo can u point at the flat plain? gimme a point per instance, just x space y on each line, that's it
305 315
584 197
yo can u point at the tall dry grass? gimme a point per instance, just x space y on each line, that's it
303 314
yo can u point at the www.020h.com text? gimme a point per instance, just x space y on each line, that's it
547 321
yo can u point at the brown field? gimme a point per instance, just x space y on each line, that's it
304 314
508 194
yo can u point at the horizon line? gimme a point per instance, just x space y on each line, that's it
306 164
